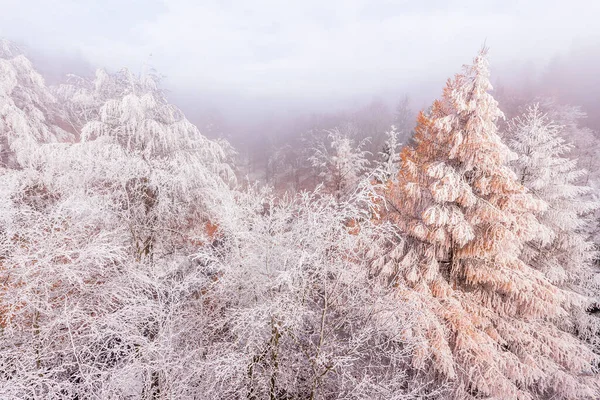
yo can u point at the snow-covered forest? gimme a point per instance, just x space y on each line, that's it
450 253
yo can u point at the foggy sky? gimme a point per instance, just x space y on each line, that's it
309 51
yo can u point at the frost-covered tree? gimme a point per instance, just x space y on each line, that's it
82 317
164 168
340 163
62 260
586 141
27 108
100 296
80 99
390 155
299 311
563 250
488 318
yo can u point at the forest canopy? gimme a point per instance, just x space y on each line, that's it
446 254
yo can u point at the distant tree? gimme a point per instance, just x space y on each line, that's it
340 163
389 157
370 121
287 167
404 119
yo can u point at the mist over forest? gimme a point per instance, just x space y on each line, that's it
297 200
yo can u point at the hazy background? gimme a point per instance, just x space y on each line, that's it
246 62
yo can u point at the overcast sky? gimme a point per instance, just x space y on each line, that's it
302 49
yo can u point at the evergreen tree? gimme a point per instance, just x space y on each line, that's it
487 315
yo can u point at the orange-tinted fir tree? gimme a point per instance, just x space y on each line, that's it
488 319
